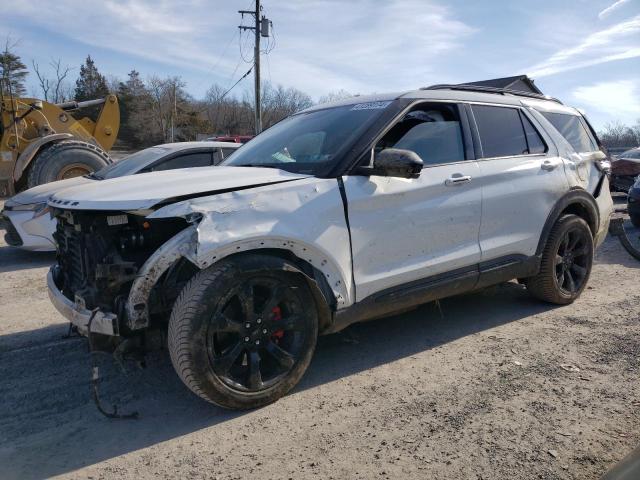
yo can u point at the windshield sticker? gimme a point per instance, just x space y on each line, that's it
371 105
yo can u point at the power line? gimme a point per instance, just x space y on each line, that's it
261 29
233 86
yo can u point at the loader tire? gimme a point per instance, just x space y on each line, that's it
66 159
566 262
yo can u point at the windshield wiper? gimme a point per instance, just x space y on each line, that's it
260 165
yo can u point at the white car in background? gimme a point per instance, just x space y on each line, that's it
26 218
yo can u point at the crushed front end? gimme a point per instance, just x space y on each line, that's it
99 255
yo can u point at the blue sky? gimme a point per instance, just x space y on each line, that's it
585 52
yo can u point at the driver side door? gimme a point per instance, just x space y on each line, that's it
416 233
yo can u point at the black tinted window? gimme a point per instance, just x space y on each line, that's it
500 130
228 151
571 128
534 140
199 159
434 134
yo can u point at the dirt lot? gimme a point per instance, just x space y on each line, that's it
474 389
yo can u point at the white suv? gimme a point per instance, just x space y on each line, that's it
340 213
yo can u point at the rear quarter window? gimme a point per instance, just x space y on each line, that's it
572 129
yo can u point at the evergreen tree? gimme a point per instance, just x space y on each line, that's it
90 85
135 111
13 72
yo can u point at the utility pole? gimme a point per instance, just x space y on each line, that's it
261 28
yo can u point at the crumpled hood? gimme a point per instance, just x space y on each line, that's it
41 193
145 190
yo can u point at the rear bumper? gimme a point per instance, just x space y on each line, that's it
605 208
105 323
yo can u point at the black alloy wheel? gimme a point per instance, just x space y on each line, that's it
243 331
257 334
573 260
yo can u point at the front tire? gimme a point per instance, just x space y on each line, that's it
66 159
243 332
566 262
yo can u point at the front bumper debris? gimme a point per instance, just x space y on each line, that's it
105 323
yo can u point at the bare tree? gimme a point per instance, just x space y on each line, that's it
54 90
618 135
333 96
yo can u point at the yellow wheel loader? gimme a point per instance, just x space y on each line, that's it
41 142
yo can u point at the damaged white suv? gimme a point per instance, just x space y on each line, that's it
340 213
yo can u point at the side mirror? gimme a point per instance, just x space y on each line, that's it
395 162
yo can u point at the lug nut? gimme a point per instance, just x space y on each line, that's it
246 339
257 342
259 320
247 325
264 330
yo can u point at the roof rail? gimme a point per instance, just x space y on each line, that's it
501 91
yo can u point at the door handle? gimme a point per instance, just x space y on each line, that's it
548 165
457 179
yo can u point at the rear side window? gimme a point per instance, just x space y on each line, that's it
534 140
501 131
218 156
198 159
571 128
228 151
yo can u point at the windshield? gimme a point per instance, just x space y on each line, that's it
309 142
131 164
631 154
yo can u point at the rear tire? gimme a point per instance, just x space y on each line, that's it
566 262
635 219
66 159
242 332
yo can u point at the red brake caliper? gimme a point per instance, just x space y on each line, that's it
277 316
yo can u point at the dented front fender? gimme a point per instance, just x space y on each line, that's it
305 217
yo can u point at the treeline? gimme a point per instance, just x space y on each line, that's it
157 109
617 135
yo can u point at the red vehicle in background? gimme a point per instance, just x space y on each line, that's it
232 138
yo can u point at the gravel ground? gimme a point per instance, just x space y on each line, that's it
489 385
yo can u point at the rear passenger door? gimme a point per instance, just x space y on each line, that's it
521 177
584 151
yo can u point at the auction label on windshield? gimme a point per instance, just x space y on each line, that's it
371 105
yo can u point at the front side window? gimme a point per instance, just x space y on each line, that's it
188 160
501 131
432 131
571 128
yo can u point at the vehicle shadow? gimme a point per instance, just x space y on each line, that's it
13 259
49 425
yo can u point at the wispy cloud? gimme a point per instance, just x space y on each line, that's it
620 97
611 8
322 45
620 41
343 45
